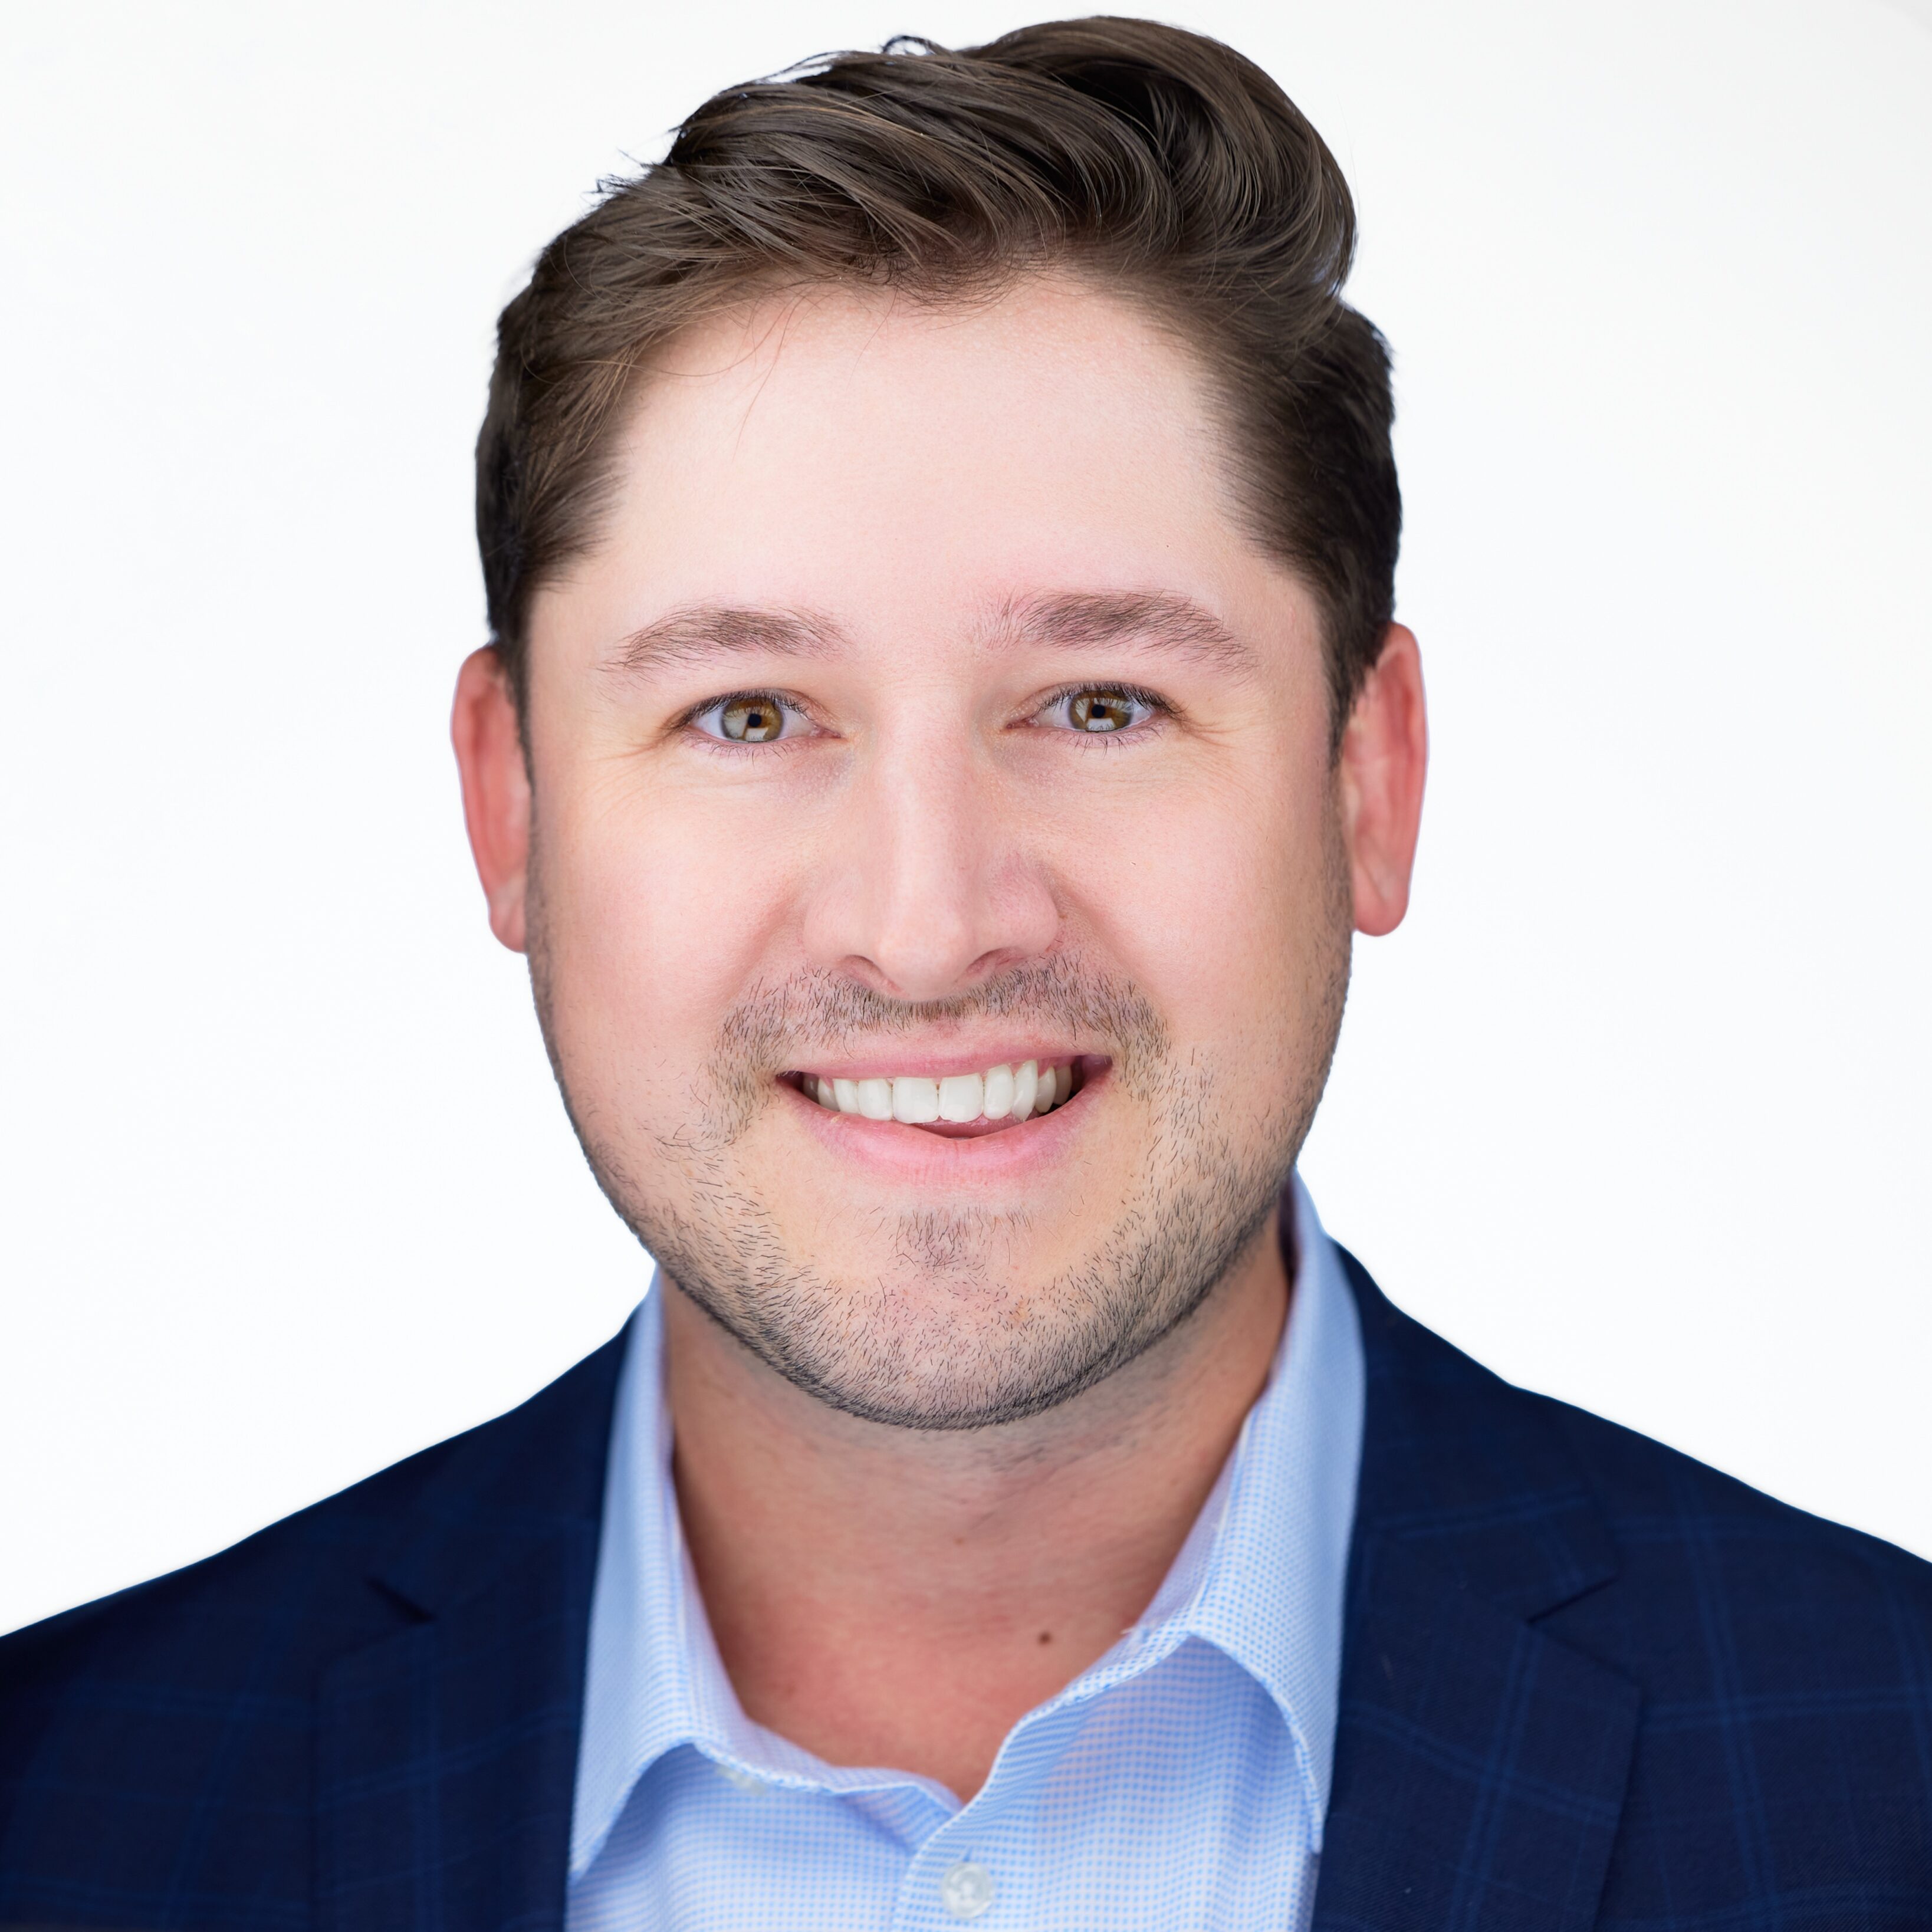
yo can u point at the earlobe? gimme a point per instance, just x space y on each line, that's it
483 729
1385 760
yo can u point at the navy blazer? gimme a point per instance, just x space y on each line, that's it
1586 1682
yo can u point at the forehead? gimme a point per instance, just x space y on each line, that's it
854 452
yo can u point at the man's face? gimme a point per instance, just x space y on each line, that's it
926 710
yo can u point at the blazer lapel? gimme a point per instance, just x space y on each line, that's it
1480 1764
447 1751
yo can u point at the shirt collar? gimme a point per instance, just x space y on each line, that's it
653 1680
1260 1576
1263 1582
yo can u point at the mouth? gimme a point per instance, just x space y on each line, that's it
954 1106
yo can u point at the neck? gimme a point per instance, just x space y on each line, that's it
900 1598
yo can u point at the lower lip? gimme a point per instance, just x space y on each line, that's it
899 1152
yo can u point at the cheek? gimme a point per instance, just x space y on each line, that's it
1221 903
654 919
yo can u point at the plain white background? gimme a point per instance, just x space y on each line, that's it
1635 1108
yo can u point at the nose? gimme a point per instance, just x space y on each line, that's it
928 890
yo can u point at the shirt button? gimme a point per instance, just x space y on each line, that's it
967 1889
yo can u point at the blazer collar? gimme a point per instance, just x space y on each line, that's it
1480 1764
447 1751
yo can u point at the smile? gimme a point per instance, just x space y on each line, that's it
1001 1097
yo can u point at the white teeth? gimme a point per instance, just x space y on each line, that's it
962 1097
915 1100
999 1100
1000 1093
1026 1084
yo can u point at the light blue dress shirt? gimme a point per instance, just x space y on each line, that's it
1179 1782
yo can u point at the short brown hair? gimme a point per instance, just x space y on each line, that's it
1150 160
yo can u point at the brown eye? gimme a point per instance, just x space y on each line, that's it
751 720
1101 709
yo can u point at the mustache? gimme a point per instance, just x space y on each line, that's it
777 1027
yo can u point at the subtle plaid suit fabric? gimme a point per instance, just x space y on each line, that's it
1586 1682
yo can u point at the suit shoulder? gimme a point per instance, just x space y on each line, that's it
1652 1498
331 1533
174 1728
1719 1584
271 1606
1651 1489
1694 1584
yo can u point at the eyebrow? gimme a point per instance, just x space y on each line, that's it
1161 620
1158 619
698 632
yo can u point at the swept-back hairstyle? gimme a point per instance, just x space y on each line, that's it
1154 162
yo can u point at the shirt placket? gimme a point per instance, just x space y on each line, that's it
981 1867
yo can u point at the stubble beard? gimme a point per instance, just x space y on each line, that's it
972 1346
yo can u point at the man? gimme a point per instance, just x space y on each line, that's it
943 723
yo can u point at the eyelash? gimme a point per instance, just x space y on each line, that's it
1101 741
716 741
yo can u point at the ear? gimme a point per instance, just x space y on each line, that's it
496 789
1384 757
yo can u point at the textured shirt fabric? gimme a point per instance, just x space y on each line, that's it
1179 1782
